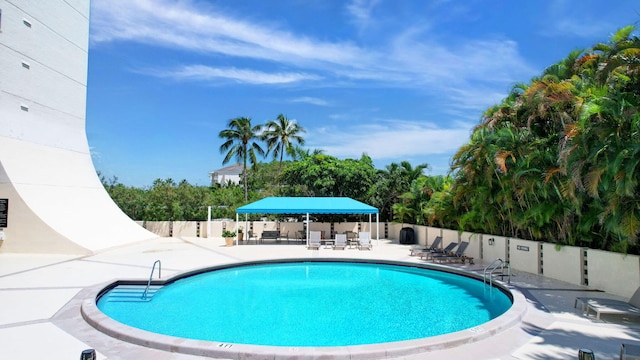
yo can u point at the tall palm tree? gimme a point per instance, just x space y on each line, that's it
241 144
280 136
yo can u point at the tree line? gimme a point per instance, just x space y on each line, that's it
556 161
310 173
558 158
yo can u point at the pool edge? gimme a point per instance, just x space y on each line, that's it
97 319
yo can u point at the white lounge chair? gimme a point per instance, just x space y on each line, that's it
315 239
340 242
364 240
610 306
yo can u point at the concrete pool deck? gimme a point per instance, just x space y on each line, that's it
40 297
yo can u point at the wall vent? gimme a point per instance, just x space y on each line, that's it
24 107
26 65
26 23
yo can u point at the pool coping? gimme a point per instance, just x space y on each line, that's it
96 318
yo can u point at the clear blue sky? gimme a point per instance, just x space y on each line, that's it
395 79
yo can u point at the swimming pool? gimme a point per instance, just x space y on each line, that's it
327 304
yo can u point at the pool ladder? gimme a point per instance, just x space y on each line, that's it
153 268
493 267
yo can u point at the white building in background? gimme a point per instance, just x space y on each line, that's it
231 173
56 201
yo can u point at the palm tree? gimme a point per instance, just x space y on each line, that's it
241 144
280 136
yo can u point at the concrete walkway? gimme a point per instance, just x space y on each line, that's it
40 297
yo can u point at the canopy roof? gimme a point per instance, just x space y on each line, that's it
307 205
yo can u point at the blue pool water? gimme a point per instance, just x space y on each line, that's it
312 304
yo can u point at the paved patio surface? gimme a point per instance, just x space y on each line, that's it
40 297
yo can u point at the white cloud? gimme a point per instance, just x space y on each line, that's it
182 25
207 73
310 100
361 10
410 58
413 58
417 55
393 139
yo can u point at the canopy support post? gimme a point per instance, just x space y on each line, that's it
236 238
378 229
308 229
370 228
246 228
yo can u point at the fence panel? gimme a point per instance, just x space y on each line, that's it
160 228
524 255
449 236
394 230
564 263
475 244
613 272
494 247
185 228
345 226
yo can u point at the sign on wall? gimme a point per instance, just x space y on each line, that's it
4 212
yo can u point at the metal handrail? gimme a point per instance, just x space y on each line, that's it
153 268
493 266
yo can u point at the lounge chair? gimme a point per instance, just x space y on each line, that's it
364 240
340 242
429 254
610 306
420 249
458 255
315 239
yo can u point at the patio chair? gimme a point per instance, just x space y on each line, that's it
364 240
610 306
458 255
315 239
340 242
301 235
351 238
251 236
429 254
434 246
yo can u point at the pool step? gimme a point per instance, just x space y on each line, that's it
132 293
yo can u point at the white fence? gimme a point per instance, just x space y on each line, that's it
611 272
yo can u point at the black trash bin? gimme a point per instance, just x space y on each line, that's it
407 236
89 354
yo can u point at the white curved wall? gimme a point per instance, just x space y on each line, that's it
56 201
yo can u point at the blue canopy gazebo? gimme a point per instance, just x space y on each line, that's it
309 205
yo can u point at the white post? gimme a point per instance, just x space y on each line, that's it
246 228
208 221
378 229
370 228
308 226
236 238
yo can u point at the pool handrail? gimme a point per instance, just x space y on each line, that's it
146 290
